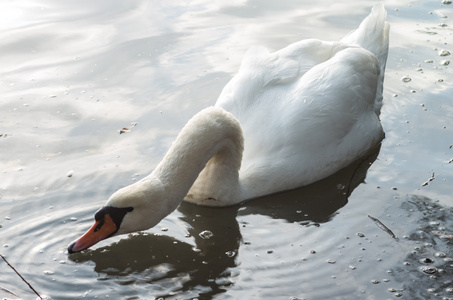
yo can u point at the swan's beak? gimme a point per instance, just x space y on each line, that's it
101 229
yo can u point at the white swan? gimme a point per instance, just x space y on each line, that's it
287 119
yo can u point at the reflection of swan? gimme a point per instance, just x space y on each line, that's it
287 119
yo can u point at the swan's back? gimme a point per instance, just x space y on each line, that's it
309 109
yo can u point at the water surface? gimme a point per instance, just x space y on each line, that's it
74 74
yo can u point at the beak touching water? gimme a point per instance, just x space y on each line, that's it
108 221
100 230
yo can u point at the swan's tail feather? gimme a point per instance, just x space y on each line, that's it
373 35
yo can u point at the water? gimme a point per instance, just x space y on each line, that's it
76 74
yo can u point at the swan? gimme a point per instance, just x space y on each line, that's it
285 120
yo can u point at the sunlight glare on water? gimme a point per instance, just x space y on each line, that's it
93 94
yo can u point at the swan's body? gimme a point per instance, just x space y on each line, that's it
287 119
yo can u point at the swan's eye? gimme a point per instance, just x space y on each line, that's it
99 225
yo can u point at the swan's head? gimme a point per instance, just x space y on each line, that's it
136 207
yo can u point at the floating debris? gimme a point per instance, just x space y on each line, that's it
126 129
383 227
23 279
429 180
443 235
444 52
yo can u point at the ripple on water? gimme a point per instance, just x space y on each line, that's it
37 246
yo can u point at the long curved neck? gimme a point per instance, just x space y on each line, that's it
203 163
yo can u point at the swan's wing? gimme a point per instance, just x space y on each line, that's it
327 122
261 72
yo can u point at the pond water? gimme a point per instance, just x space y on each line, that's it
75 73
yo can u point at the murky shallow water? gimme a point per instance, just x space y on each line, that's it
74 74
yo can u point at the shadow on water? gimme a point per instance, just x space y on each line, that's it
206 267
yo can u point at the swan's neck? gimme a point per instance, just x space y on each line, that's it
203 163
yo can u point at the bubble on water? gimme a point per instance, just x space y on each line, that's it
440 254
70 173
428 269
164 229
429 61
331 261
48 272
445 62
406 79
352 267
206 234
426 260
73 218
230 253
375 281
270 251
340 186
446 2
312 251
360 234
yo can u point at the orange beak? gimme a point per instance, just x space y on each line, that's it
99 231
